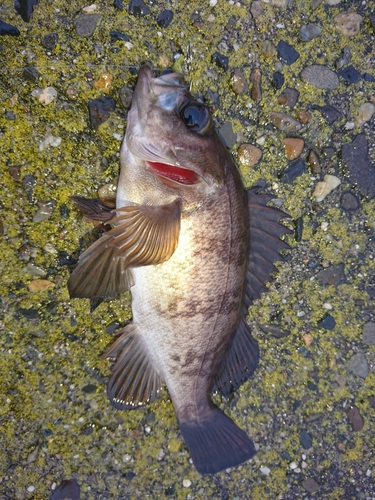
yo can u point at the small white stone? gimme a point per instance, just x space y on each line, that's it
304 465
30 489
323 188
128 45
47 95
89 8
324 226
213 3
261 141
186 483
147 430
368 472
118 136
365 112
126 458
293 466
327 306
265 470
349 125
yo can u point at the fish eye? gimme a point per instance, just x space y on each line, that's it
196 117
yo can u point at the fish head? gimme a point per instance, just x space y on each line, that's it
171 136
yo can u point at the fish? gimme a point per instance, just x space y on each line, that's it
195 249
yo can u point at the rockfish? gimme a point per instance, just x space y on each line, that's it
195 249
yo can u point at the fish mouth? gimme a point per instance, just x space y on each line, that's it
174 173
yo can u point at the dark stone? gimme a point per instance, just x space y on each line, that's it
25 8
28 185
298 228
118 35
312 386
371 400
274 330
86 24
71 337
332 275
289 97
329 113
368 77
118 5
99 110
227 135
129 475
170 491
327 322
50 41
30 313
8 29
46 432
10 115
287 53
310 485
138 8
349 201
112 327
126 96
66 260
305 439
89 389
355 418
277 80
361 171
220 60
165 18
67 489
31 74
350 74
294 170
64 211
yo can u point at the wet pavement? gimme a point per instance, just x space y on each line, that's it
293 94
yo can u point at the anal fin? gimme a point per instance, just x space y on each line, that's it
134 381
239 362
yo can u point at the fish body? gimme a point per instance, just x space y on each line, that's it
184 244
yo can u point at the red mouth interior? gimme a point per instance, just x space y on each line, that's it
177 174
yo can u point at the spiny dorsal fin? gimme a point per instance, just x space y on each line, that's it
239 361
143 235
134 381
265 244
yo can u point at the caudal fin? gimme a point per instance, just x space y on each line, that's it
216 443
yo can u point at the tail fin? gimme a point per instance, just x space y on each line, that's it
216 443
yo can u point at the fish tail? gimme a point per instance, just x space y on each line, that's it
216 443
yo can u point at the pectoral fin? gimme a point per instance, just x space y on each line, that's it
134 380
142 235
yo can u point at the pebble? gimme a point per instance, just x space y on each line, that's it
118 5
8 29
50 41
99 110
90 8
86 24
320 76
309 32
327 322
31 74
104 82
249 155
350 74
274 330
265 470
186 483
126 96
331 275
34 270
165 18
368 333
329 113
220 60
227 135
277 80
69 488
361 171
295 169
28 185
314 162
288 97
25 8
256 8
239 83
285 122
45 96
304 116
355 418
310 485
138 8
256 82
348 23
344 58
323 188
305 439
50 140
358 365
268 49
118 35
45 210
365 113
308 338
349 201
278 3
39 284
293 147
107 194
287 53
